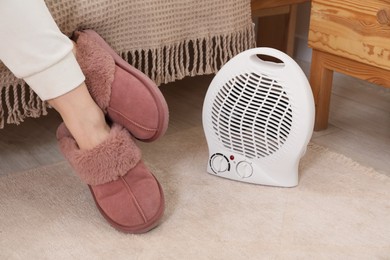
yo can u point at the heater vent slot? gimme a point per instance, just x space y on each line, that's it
252 115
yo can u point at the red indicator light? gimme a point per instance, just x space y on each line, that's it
231 157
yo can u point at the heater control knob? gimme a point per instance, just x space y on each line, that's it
219 163
244 169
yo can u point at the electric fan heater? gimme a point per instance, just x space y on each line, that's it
258 118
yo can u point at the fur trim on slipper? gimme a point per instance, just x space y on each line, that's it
98 67
112 158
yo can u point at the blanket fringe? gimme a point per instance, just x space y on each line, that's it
165 64
190 57
18 102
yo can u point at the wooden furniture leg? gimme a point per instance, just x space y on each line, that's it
321 75
292 24
321 83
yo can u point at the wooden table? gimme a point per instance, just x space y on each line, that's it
351 37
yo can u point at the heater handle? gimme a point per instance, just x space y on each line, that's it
286 60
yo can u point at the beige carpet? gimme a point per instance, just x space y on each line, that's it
340 210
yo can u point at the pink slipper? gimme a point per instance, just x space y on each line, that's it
124 93
126 193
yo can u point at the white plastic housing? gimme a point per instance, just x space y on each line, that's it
258 118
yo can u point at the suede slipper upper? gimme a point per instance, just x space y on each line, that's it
124 93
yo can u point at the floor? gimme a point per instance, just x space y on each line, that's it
359 125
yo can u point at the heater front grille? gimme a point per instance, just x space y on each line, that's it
252 115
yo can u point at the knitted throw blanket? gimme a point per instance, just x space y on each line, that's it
167 40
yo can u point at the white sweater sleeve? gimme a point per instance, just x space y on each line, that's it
33 48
